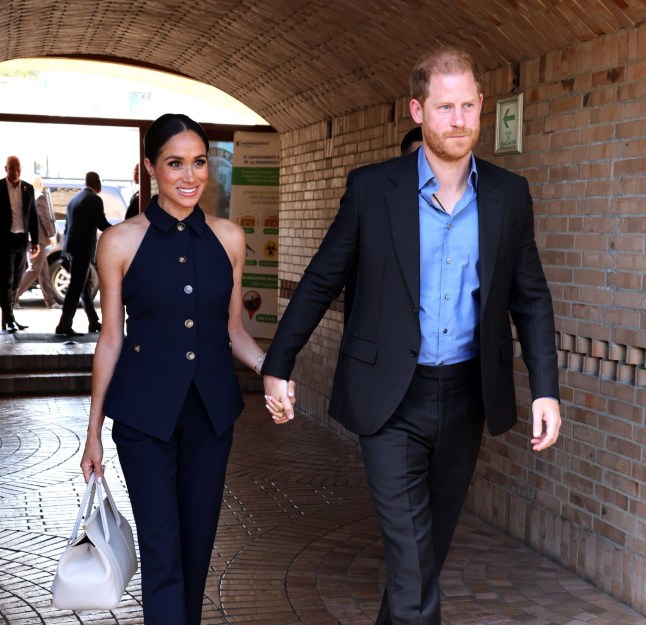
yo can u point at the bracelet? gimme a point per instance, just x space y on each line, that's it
258 366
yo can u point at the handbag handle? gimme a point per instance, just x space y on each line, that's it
94 487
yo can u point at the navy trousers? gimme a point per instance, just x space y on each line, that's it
13 260
419 466
176 491
79 287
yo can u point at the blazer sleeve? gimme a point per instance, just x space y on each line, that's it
44 216
532 312
32 216
101 222
321 283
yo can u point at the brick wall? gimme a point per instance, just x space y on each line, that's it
582 502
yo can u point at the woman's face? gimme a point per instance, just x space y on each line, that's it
182 171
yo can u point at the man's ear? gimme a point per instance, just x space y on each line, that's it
416 111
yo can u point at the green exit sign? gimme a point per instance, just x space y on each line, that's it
509 125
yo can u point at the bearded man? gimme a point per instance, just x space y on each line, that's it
443 248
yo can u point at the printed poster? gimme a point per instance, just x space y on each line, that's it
217 195
254 205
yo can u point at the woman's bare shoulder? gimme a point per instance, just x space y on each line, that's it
224 228
124 238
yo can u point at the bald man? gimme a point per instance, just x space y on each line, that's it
18 231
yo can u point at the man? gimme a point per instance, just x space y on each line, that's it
84 215
412 140
444 248
133 207
39 269
18 222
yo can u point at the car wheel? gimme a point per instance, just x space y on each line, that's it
60 278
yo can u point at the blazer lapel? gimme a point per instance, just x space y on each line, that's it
403 213
491 210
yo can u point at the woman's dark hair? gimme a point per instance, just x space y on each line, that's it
165 127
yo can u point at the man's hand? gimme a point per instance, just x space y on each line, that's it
280 396
545 410
34 250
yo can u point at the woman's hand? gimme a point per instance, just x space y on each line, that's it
280 397
92 457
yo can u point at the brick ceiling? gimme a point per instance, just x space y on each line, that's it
296 62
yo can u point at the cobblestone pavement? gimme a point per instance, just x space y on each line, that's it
297 544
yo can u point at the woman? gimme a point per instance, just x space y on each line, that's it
170 385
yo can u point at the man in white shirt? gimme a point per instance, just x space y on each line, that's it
18 227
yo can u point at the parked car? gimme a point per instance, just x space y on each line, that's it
61 192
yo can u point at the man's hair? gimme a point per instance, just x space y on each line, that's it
93 180
412 136
447 61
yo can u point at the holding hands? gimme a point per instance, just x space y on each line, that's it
280 396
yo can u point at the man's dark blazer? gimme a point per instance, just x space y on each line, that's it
85 214
377 230
29 215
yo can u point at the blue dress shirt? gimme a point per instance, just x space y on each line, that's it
449 272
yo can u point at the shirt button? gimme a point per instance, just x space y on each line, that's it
182 259
414 353
447 296
190 356
189 323
448 261
181 226
188 289
445 330
137 348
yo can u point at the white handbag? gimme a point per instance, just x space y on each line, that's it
96 566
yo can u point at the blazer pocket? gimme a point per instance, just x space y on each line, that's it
361 349
506 349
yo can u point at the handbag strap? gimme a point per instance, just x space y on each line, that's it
94 487
113 505
86 504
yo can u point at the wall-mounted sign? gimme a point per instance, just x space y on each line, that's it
509 125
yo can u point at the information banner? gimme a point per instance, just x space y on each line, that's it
254 205
216 196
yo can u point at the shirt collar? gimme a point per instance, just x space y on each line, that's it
164 222
427 177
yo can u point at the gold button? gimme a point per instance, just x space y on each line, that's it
182 259
190 356
188 289
189 323
137 348
180 226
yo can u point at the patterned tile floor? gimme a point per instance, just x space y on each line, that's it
297 543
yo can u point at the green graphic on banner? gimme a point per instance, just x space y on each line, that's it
270 230
268 263
255 176
250 262
267 318
259 281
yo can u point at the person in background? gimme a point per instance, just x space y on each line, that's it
169 384
39 267
18 224
412 140
133 207
444 248
85 214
